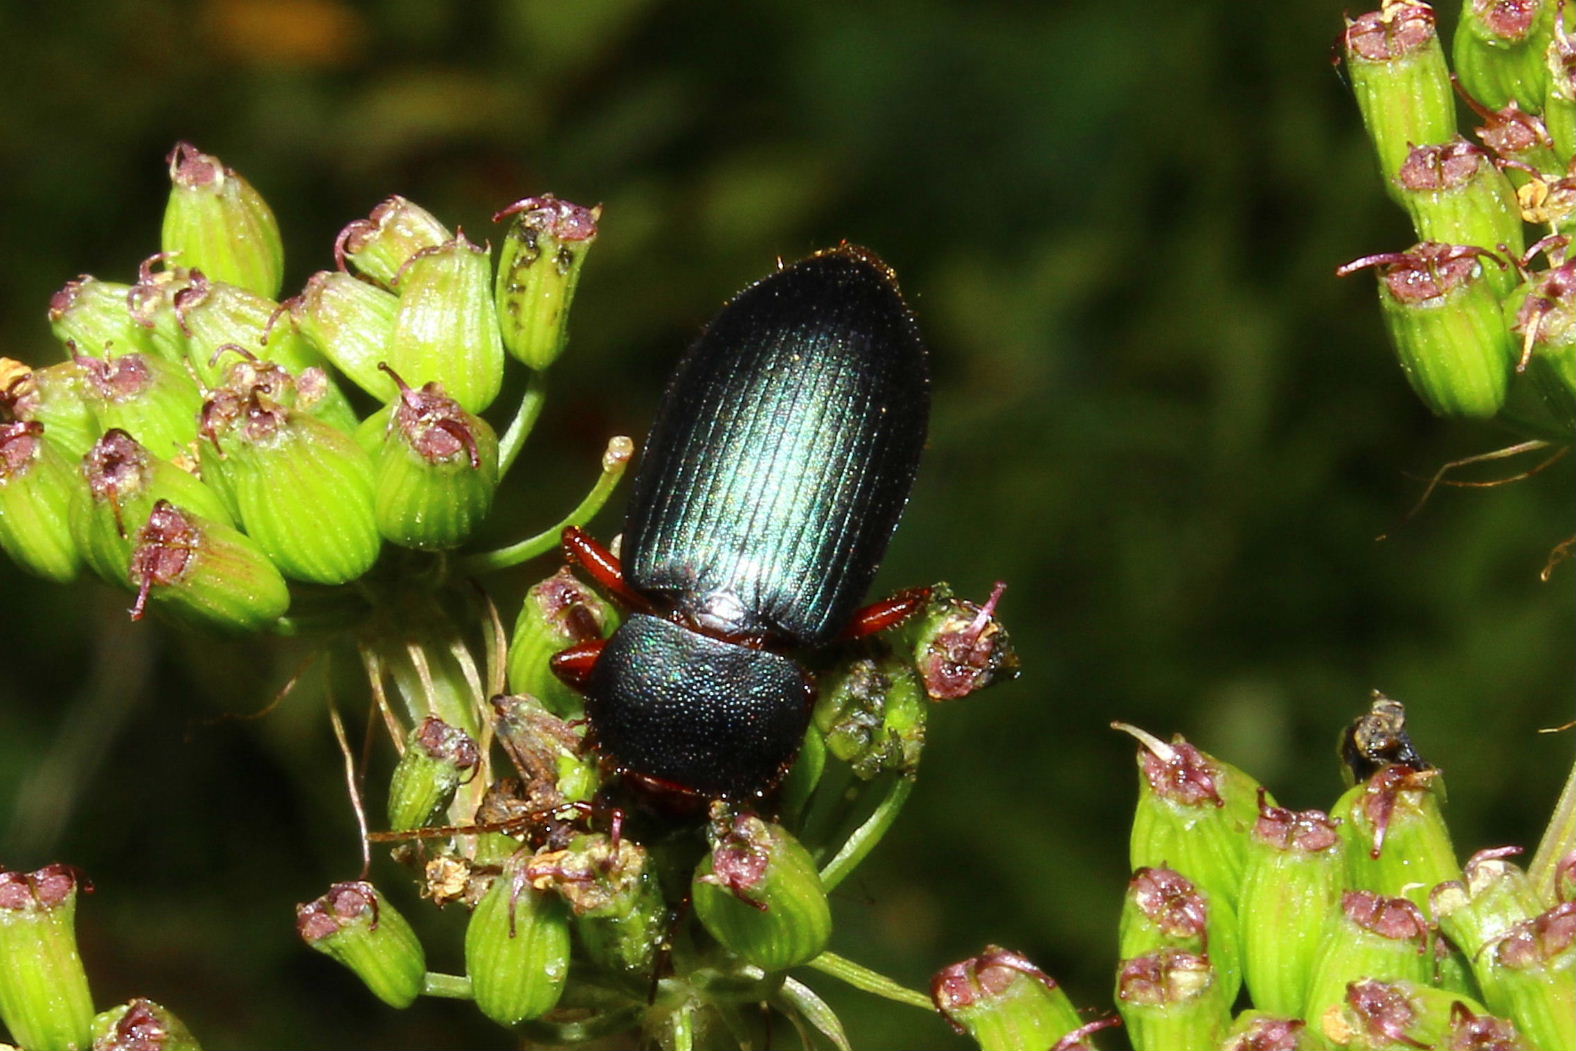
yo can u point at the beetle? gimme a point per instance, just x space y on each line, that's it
780 459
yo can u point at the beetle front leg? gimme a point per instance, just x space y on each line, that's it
574 665
888 613
584 550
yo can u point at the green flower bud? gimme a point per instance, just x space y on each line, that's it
217 222
1559 101
445 328
1004 1002
1162 909
1398 74
205 571
610 887
872 714
357 926
1372 937
1397 840
1482 1032
302 488
1517 136
141 1025
1377 739
151 304
1291 894
1535 976
758 893
1479 909
1546 322
558 613
1445 324
1260 1031
92 316
436 471
54 397
148 397
537 273
1171 1000
546 750
437 759
349 322
223 322
44 998
36 485
381 244
1379 1014
309 391
517 949
123 482
960 647
1456 195
1193 815
1499 48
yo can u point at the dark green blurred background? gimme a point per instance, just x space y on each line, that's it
1158 416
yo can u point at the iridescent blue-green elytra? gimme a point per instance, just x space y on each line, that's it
779 462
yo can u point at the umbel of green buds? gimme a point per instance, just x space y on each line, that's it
92 316
349 322
382 243
1004 1002
52 396
141 1025
1446 325
517 948
758 892
1171 1000
872 715
959 646
445 328
36 484
1193 815
612 890
1398 74
438 757
357 926
301 488
543 252
148 397
1291 892
123 482
436 470
202 570
1499 51
558 613
217 222
44 998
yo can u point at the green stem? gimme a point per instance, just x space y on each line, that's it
614 461
866 980
519 429
864 838
448 986
1558 840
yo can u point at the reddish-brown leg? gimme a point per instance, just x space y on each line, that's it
574 665
584 550
887 613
